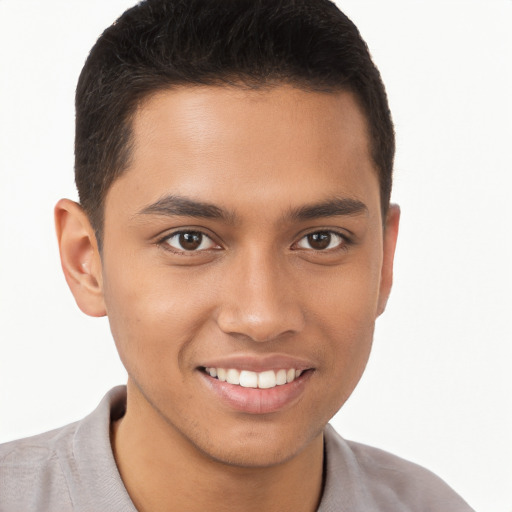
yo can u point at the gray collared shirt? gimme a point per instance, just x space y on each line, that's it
73 469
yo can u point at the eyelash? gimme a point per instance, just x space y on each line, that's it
345 241
165 242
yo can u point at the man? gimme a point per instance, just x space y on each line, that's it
233 161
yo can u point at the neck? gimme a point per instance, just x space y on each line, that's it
164 471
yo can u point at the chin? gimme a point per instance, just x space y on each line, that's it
251 457
256 447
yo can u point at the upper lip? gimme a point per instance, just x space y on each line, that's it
259 363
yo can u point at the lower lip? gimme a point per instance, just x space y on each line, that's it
255 400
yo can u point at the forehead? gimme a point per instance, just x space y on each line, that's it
219 143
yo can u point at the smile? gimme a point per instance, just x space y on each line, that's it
262 386
262 380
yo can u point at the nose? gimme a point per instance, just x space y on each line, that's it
259 301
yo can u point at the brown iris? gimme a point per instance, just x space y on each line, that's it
190 240
320 240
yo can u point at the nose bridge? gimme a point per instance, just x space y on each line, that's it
260 302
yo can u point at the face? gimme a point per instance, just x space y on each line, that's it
243 265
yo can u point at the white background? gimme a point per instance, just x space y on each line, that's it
438 386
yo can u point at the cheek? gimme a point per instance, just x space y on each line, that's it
344 313
345 300
350 340
350 333
152 316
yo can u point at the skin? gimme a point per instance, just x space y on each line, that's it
256 286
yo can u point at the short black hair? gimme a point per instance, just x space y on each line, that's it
158 44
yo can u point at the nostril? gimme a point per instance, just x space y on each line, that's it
260 328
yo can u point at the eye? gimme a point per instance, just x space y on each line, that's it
190 241
321 241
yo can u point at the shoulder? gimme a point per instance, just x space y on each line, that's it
386 482
31 472
70 468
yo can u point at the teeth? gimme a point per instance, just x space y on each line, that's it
267 380
281 377
247 379
233 376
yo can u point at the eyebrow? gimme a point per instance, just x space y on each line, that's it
338 206
173 205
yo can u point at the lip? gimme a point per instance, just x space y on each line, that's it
255 400
259 363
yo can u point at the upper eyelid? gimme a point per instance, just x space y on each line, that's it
162 240
165 235
345 238
345 234
330 231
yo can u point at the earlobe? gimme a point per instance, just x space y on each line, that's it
389 245
80 257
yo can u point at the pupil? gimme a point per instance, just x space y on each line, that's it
190 241
319 240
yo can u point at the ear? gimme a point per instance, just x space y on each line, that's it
389 245
80 257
